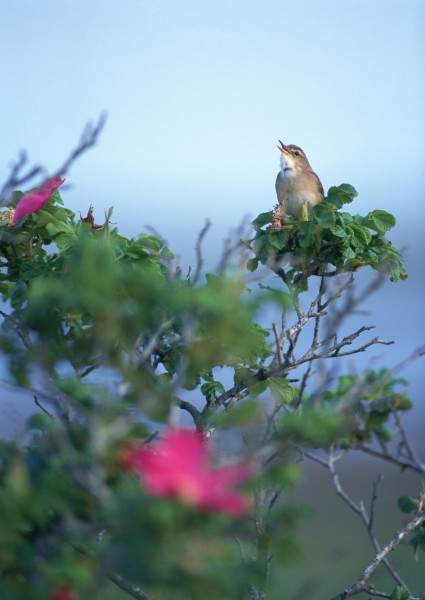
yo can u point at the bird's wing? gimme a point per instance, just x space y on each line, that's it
319 183
279 190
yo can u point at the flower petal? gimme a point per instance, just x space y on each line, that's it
35 200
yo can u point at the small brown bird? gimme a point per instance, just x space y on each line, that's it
298 187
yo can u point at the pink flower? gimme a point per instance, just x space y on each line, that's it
35 200
178 467
63 593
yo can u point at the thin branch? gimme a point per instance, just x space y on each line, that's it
361 584
406 444
16 178
151 343
133 590
198 250
21 331
278 345
88 139
402 463
192 410
360 510
43 408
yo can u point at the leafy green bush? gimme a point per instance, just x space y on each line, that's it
112 342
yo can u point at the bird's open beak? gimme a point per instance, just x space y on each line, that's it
283 148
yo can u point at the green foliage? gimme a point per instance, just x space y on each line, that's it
330 238
367 403
400 593
110 339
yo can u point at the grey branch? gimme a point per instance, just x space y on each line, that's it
362 585
18 178
133 590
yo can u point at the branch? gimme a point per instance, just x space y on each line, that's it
367 520
16 178
198 250
134 590
21 331
402 463
88 139
361 584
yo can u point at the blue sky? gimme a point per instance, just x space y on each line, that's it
197 94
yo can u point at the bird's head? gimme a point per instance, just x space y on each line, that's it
292 158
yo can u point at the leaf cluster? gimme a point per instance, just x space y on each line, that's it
329 238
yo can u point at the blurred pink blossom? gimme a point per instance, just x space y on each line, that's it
35 200
63 593
179 467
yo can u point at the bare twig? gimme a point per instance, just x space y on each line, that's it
151 343
198 250
43 408
278 345
17 178
133 590
402 463
20 330
361 585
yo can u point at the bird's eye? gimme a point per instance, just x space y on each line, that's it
296 153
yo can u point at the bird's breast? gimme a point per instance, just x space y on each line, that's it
294 191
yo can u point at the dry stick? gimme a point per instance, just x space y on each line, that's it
411 454
198 250
151 343
43 408
402 463
367 520
264 374
88 139
278 344
15 179
361 584
21 331
133 590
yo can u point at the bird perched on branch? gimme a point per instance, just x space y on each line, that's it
298 187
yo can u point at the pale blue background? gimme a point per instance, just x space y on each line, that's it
198 92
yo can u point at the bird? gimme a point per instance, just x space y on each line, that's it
298 187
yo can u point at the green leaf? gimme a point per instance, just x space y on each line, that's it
244 413
340 195
400 593
306 236
325 216
278 239
338 231
262 219
166 253
360 236
252 264
56 197
380 221
348 252
282 391
64 232
258 388
241 374
407 504
152 242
